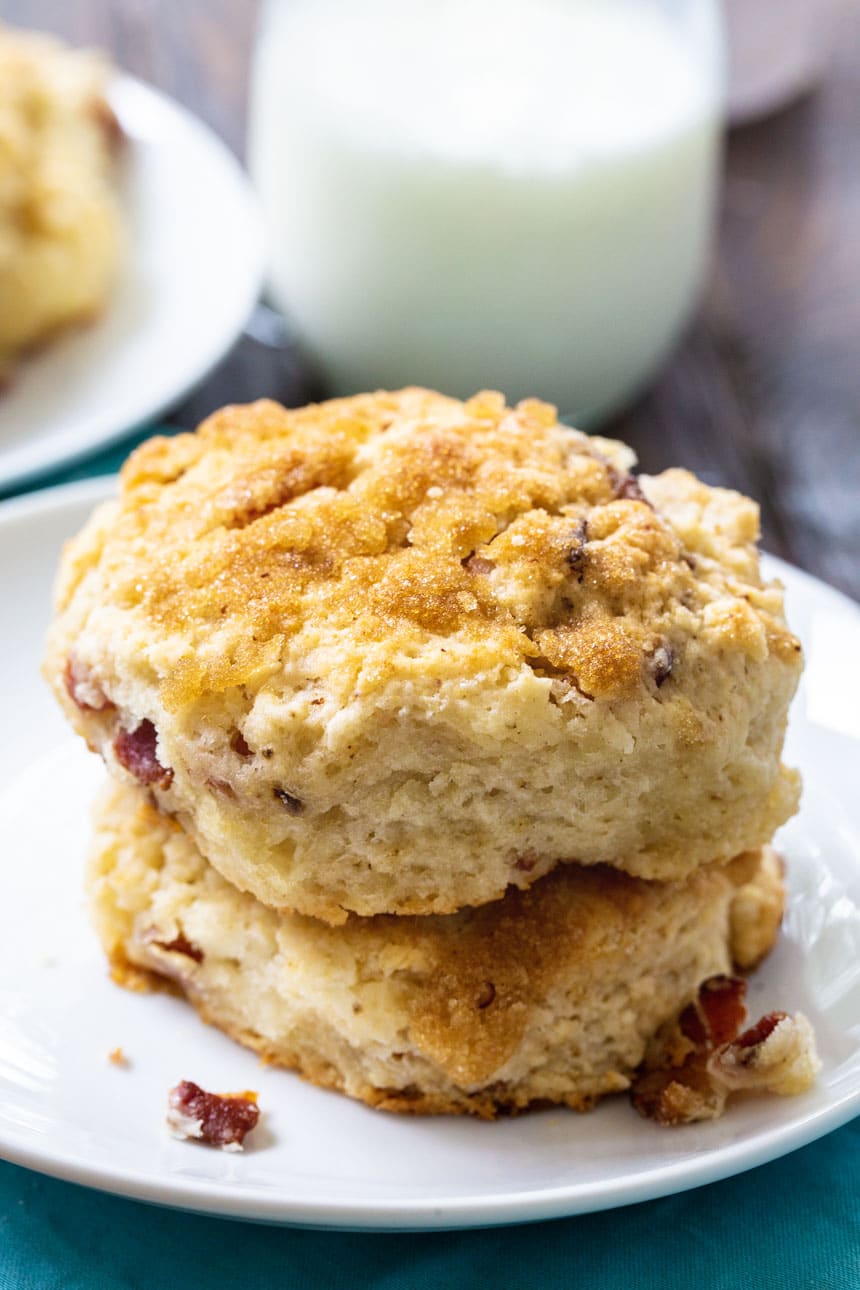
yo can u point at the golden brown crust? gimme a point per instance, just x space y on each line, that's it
511 950
758 908
273 517
484 1104
139 980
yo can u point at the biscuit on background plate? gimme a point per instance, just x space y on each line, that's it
61 232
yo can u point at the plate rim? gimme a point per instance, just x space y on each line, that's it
33 464
254 1203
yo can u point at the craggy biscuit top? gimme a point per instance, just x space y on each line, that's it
402 521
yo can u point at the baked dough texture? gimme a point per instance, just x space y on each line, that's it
549 995
395 653
60 223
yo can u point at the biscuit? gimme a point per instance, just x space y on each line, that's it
60 222
394 653
549 995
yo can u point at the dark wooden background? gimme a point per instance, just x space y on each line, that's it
763 394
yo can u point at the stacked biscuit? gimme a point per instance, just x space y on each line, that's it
444 753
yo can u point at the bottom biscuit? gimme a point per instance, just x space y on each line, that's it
547 996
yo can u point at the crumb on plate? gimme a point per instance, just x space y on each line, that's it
703 1056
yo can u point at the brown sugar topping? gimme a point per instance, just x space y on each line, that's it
398 517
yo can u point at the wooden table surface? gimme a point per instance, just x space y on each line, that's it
764 392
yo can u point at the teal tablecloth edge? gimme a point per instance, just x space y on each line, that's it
790 1225
106 462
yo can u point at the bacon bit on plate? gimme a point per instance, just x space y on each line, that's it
777 1054
699 1059
217 1119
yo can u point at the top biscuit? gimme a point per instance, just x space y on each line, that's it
391 654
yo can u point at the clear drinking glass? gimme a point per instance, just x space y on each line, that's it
509 194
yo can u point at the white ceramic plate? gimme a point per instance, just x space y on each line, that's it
191 274
318 1159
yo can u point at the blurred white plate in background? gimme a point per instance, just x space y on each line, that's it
318 1159
192 272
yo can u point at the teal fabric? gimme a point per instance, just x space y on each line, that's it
791 1225
103 463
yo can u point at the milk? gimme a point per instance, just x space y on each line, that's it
513 194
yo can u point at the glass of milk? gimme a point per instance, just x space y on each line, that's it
514 194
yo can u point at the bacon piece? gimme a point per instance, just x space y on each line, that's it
678 1095
181 945
576 553
674 1087
661 661
293 805
136 751
626 486
722 1002
700 1059
762 1030
776 1055
218 1119
240 746
83 691
478 564
629 488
